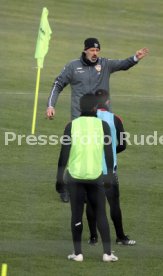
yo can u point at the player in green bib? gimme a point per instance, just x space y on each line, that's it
80 166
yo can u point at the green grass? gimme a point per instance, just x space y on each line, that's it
35 235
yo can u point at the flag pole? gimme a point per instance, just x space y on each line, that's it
36 101
42 46
4 270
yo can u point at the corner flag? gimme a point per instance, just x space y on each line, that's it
42 47
44 35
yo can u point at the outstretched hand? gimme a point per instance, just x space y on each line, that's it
142 53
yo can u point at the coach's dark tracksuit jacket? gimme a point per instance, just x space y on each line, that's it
86 77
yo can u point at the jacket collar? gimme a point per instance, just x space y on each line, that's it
87 62
89 114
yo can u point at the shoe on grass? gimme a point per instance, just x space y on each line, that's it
110 258
125 241
77 258
64 197
93 240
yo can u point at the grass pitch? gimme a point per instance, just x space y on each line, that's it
35 233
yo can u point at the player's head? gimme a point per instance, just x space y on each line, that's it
102 97
92 49
88 103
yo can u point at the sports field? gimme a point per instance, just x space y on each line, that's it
35 236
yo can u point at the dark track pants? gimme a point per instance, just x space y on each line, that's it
94 190
112 195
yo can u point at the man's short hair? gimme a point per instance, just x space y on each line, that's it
88 103
102 96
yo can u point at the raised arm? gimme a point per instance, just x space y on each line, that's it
125 64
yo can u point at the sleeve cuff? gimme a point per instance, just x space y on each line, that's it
50 106
136 59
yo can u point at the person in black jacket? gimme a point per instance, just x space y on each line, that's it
88 74
80 166
111 186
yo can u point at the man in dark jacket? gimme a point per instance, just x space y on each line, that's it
88 74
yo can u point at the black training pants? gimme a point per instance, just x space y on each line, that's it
112 195
94 190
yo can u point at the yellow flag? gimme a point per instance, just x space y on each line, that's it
44 35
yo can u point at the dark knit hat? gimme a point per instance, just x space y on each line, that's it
91 43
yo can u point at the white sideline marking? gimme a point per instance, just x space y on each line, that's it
138 96
65 95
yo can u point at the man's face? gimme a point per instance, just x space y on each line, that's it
92 54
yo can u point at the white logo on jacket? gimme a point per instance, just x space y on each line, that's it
98 67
